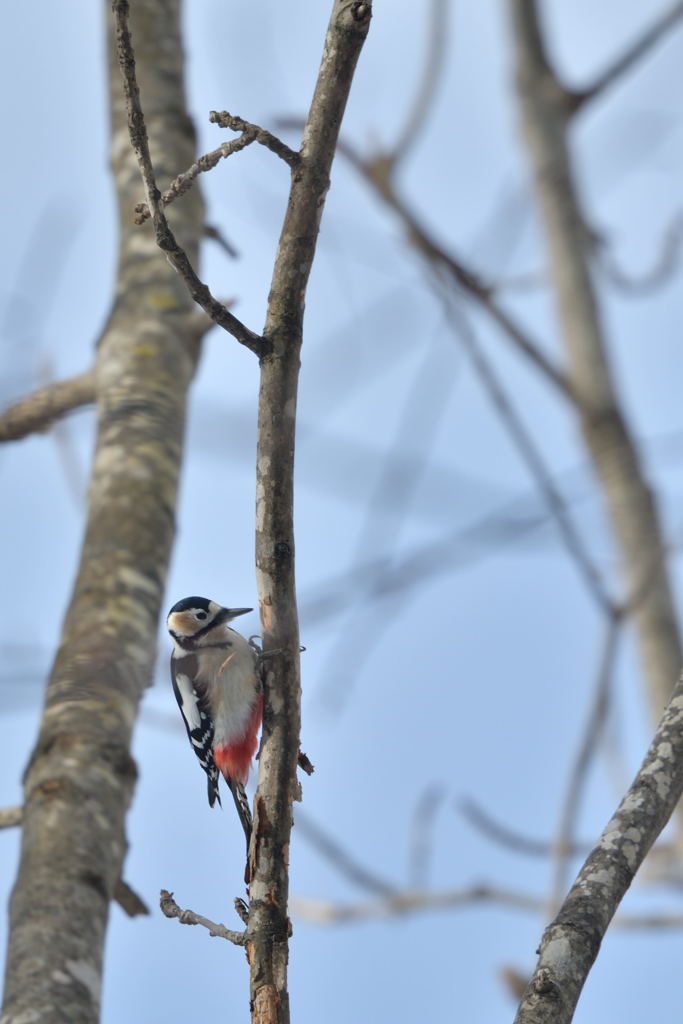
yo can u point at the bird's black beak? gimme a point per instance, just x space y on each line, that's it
232 613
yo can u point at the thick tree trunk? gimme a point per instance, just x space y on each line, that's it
80 778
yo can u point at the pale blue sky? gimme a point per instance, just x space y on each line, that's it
476 678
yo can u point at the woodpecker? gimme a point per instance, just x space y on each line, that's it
216 684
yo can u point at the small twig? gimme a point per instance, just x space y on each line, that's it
128 900
170 908
10 817
164 236
211 231
37 412
630 57
660 272
305 764
225 120
184 182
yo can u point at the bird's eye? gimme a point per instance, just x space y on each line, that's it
200 615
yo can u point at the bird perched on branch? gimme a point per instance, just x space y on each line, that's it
216 684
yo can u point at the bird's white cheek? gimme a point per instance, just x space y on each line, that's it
182 623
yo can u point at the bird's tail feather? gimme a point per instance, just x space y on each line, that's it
242 804
212 780
244 812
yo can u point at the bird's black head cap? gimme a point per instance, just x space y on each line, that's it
190 602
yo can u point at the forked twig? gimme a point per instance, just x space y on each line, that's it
165 238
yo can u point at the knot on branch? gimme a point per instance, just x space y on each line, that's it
544 985
361 12
283 551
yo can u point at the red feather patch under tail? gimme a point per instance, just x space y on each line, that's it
234 759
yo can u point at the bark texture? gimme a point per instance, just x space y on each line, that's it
80 777
546 109
269 927
572 942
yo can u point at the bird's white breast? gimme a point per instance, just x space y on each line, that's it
229 677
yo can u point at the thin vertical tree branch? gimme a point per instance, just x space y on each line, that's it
631 506
81 775
268 928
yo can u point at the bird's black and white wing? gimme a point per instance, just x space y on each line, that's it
196 717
